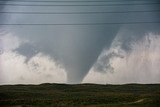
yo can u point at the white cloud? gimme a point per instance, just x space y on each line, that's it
14 69
9 42
140 65
39 69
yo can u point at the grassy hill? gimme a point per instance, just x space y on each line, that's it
82 95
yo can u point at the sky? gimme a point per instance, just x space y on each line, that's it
103 42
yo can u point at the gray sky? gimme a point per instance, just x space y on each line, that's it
76 50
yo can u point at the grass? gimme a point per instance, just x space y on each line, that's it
82 95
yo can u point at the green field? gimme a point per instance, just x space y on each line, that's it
82 95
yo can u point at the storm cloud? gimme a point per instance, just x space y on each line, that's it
140 64
77 48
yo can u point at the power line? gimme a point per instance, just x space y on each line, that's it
100 12
70 24
72 0
83 5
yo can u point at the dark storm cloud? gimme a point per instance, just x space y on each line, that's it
27 49
76 47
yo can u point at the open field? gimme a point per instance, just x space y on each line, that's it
82 95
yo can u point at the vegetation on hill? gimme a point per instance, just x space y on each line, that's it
81 95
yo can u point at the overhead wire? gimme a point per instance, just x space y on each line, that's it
89 12
57 24
119 4
74 0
